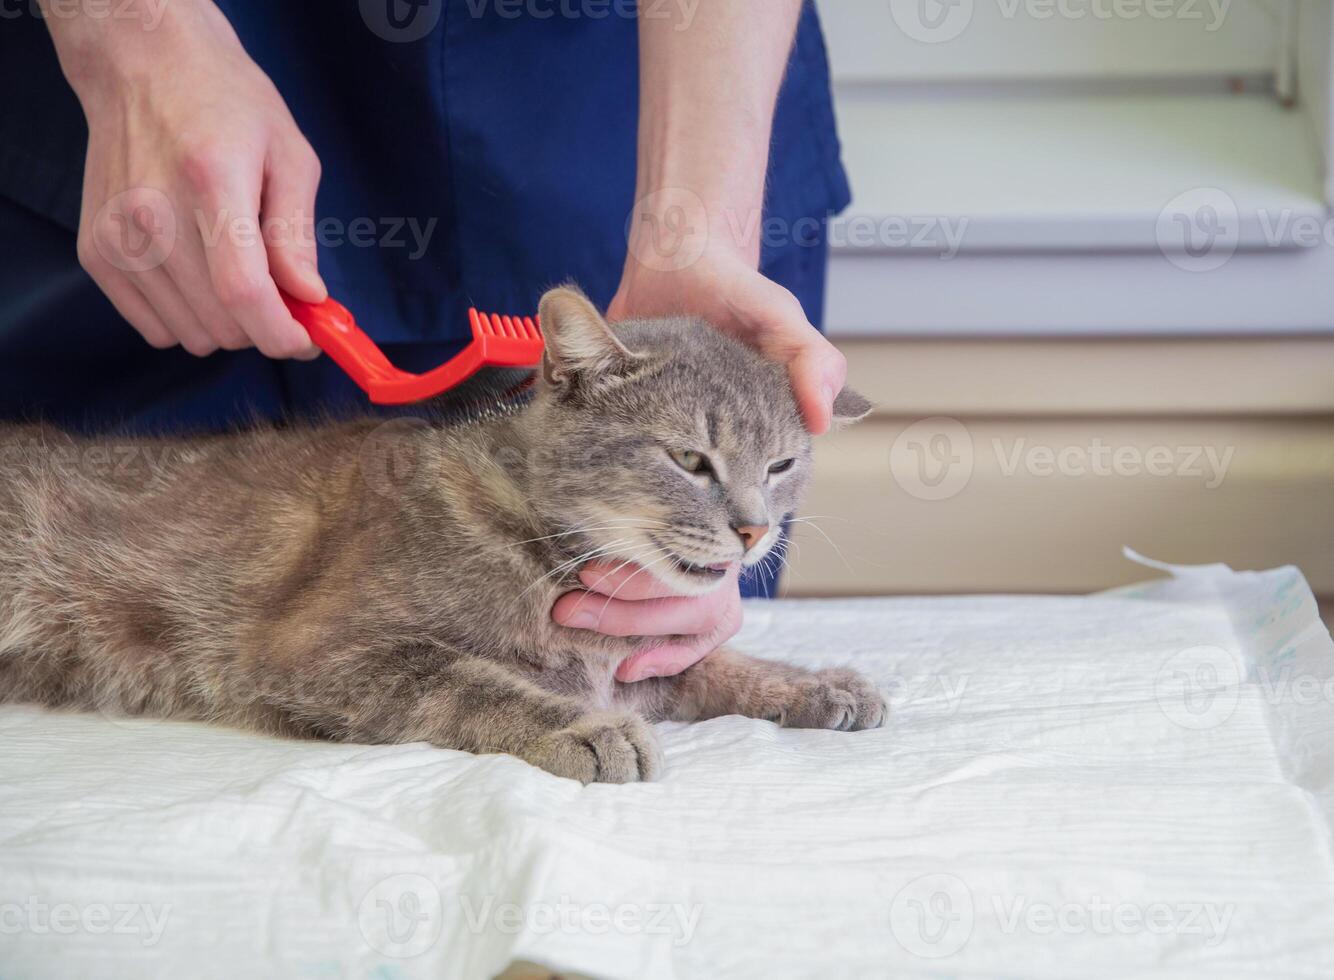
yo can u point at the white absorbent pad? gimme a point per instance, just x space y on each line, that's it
1137 783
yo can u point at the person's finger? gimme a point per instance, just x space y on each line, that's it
672 658
128 301
188 267
817 372
816 368
162 293
648 617
238 264
663 661
292 177
624 581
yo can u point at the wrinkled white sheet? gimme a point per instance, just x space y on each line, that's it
1136 783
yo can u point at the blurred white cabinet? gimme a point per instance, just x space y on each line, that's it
1070 234
1025 465
939 40
1083 166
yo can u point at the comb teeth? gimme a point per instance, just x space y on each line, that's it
520 328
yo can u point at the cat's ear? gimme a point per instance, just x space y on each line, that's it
850 407
579 340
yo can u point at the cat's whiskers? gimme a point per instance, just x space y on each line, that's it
629 561
579 560
811 521
778 555
592 527
592 553
642 568
648 552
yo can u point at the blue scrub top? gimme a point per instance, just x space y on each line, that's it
474 153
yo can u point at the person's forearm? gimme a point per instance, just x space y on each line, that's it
708 87
98 52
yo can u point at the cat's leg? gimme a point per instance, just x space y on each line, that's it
729 683
476 705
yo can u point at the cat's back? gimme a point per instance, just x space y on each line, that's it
124 500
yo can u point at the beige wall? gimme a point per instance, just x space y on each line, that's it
1046 457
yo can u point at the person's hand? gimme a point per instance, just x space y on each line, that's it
199 190
724 287
625 600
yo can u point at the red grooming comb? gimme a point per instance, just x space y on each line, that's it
497 342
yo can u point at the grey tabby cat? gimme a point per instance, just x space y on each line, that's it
288 581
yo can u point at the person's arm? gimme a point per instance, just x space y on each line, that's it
708 86
199 189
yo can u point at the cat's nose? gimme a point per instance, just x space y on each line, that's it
751 534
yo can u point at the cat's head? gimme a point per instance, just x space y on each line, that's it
669 443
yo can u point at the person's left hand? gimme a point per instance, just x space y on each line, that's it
724 287
625 600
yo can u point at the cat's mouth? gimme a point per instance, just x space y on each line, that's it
704 573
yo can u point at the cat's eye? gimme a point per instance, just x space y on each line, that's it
691 461
782 466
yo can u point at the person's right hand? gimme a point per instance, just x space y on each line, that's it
199 190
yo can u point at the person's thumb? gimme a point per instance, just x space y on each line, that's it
288 218
817 372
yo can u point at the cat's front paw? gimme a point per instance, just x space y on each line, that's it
604 747
838 698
